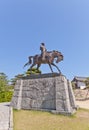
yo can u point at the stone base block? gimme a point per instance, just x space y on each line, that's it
52 92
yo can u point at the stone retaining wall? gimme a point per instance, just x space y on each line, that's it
81 95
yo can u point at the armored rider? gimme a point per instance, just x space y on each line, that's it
43 51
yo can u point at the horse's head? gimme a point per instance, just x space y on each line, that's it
59 57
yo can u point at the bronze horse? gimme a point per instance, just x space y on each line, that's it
49 59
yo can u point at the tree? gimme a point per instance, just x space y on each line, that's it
3 82
27 73
5 89
13 80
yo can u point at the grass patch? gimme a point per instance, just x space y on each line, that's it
37 120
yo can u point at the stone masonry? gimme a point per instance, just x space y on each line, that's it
49 92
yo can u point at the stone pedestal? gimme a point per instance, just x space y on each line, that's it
49 92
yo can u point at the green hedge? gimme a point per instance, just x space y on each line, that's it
5 96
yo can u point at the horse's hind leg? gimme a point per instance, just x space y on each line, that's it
31 68
38 66
56 67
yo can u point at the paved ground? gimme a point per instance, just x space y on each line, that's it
6 120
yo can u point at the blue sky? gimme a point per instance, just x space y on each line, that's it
62 25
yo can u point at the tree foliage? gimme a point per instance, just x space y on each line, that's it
87 82
13 80
5 89
5 96
27 73
3 82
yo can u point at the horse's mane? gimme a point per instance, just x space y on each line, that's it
49 51
53 51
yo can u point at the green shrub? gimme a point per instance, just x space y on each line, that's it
5 96
33 71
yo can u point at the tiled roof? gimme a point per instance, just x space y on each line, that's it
79 78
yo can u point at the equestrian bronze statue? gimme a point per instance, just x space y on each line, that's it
46 57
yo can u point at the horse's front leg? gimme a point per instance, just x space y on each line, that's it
51 67
56 67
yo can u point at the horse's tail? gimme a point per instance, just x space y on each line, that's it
30 59
29 62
